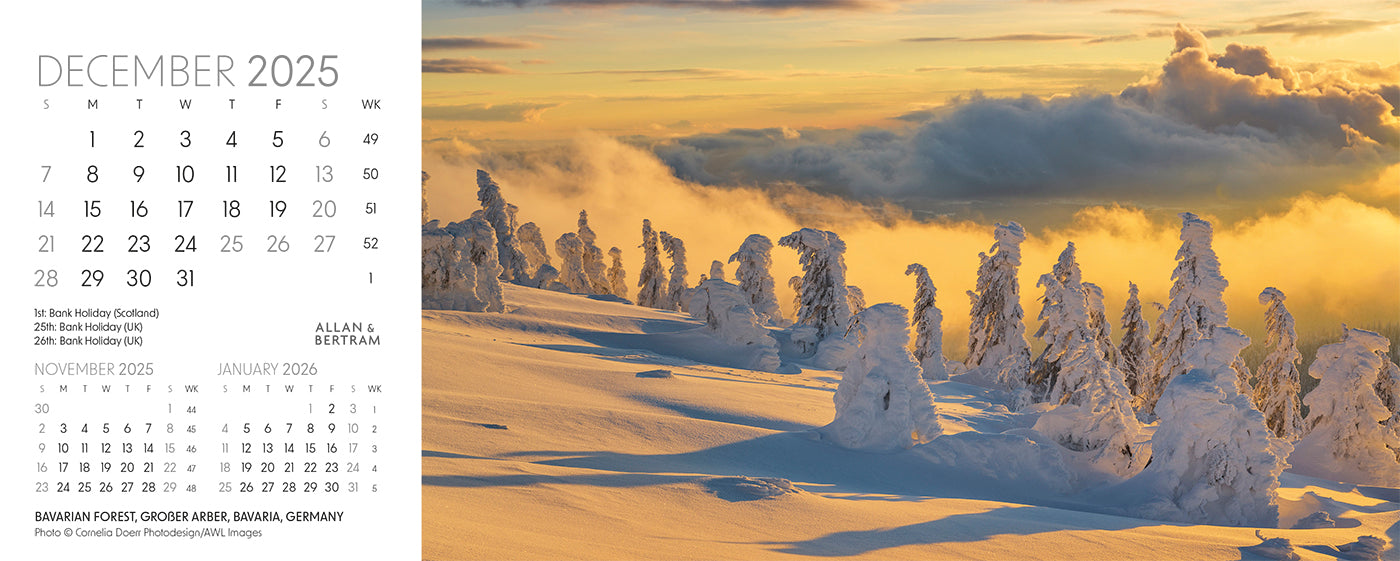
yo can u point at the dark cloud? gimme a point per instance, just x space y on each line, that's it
1235 124
502 112
1321 27
672 74
445 43
468 65
1030 37
928 39
1141 12
1312 24
769 6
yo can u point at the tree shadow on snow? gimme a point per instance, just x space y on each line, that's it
607 480
802 458
970 527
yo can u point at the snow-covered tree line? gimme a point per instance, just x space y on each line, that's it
521 256
1096 392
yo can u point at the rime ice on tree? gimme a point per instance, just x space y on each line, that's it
651 281
1064 319
1195 311
1276 394
501 216
460 271
617 278
1135 352
570 250
1098 322
1213 459
996 344
1347 438
593 266
856 298
531 242
675 291
726 313
928 325
425 198
882 402
755 258
717 270
822 300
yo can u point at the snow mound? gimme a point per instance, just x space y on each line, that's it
1273 548
1365 548
1319 519
659 373
743 488
1012 459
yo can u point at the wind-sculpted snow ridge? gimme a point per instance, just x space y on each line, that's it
600 462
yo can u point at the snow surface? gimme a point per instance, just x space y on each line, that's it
540 441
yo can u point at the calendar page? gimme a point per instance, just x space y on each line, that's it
210 313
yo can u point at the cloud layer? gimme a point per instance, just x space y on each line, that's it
1229 127
1333 256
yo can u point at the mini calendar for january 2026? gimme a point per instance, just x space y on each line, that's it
211 338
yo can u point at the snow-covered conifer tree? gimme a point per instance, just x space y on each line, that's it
675 291
1135 352
755 258
717 270
1061 321
449 277
531 242
651 281
726 312
593 266
928 325
425 197
1213 459
1278 388
822 300
617 278
1098 322
570 250
856 297
795 284
460 271
882 402
502 220
997 347
1195 311
1388 389
1094 412
1347 438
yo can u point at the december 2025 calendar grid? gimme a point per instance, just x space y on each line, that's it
210 314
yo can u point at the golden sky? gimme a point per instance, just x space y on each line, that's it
547 69
909 128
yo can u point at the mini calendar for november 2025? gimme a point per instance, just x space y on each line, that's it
211 338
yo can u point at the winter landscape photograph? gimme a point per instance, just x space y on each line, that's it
782 279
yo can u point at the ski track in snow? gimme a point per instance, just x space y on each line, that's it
540 441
